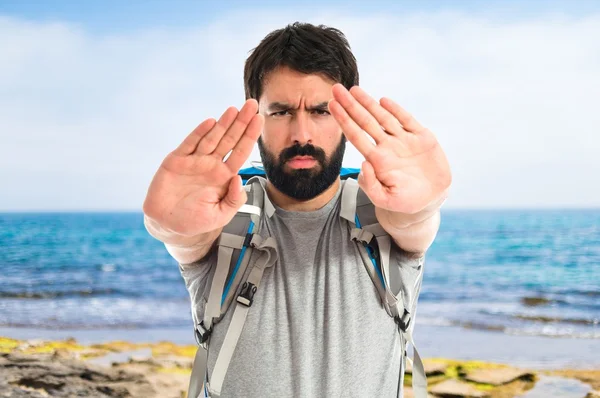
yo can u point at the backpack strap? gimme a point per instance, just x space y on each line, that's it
268 257
374 245
236 245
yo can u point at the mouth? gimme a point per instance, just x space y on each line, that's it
301 162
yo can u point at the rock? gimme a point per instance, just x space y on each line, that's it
535 301
176 362
89 353
431 368
456 389
593 394
62 353
49 375
33 343
140 358
499 376
408 393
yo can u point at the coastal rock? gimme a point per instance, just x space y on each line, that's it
498 377
408 393
43 375
176 362
431 368
166 362
535 301
456 389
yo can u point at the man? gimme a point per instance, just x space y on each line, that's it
316 328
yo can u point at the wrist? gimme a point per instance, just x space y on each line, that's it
399 220
174 239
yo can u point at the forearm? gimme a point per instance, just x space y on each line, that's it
184 249
413 233
415 238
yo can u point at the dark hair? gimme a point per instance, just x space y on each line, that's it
305 48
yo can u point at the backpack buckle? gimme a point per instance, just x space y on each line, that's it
202 333
403 321
246 296
372 249
248 239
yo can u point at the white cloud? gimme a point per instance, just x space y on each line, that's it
85 120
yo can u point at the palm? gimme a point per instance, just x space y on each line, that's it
191 190
195 191
406 168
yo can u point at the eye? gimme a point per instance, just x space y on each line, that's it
321 112
280 113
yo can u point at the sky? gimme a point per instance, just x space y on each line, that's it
94 95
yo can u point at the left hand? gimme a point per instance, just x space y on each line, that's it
405 170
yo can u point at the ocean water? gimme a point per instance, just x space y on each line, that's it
518 272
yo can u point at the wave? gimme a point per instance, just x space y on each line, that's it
93 326
540 329
550 319
592 293
41 295
554 332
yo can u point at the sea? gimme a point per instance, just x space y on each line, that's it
488 273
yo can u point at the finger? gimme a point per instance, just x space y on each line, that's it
381 115
408 122
369 183
359 116
209 142
235 131
351 130
188 146
235 198
241 152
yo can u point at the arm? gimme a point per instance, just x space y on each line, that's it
184 249
413 233
405 173
195 192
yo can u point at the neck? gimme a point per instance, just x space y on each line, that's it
291 204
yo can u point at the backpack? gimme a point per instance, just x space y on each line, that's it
235 278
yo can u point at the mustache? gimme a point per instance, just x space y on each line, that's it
307 150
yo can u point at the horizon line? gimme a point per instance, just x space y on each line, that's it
449 208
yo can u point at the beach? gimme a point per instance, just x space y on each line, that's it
157 363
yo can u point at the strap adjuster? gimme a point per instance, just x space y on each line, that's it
403 321
248 239
373 250
202 333
246 296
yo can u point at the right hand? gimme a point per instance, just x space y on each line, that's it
195 190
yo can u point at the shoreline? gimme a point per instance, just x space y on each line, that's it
532 352
41 368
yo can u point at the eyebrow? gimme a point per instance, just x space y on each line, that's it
284 106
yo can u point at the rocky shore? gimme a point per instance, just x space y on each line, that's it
37 368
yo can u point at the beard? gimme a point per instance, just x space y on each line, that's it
302 184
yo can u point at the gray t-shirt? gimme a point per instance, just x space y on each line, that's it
316 327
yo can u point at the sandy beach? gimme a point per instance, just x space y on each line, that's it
157 363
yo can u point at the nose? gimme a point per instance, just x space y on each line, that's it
301 129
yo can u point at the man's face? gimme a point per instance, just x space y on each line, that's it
302 146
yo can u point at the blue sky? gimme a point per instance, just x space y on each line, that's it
93 95
117 15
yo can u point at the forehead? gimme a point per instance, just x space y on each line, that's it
287 85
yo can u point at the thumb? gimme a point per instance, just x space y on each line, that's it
236 196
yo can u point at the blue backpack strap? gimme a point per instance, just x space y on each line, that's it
397 290
236 244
